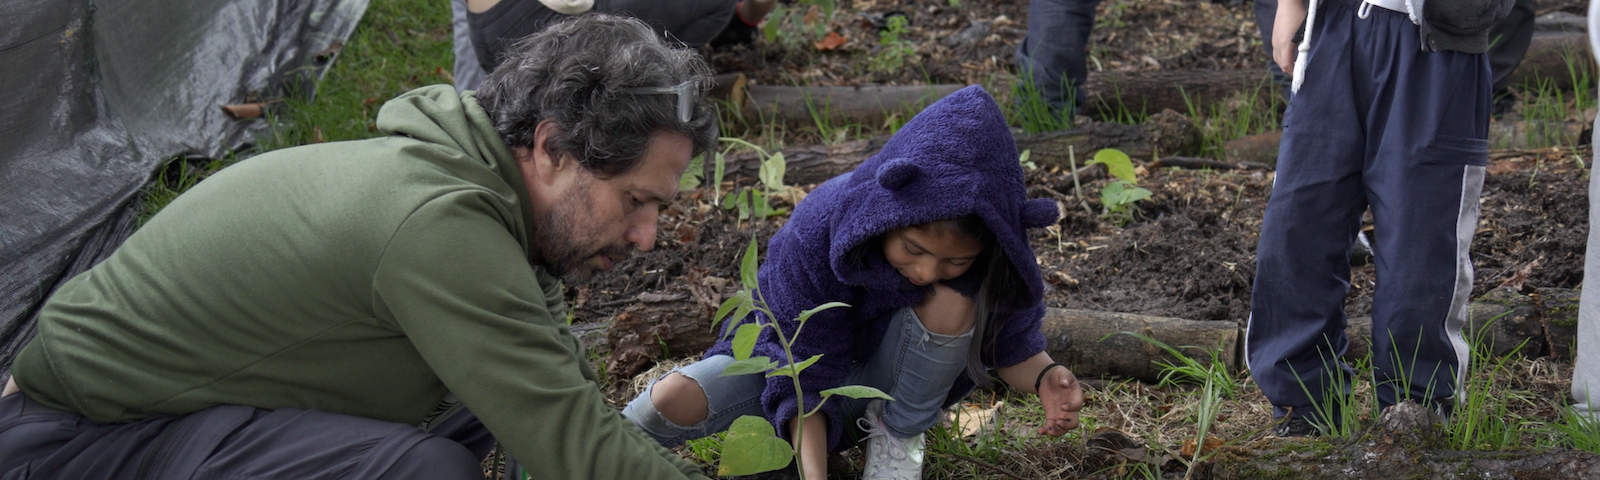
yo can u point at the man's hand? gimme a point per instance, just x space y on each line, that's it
1291 13
1062 397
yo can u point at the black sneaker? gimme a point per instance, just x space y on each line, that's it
1297 427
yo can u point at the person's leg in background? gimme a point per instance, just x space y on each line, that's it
467 72
1266 10
1586 368
1055 52
1508 45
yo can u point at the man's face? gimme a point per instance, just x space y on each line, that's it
585 224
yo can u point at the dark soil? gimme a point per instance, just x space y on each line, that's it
972 41
1190 253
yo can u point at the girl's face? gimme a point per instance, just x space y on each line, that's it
927 255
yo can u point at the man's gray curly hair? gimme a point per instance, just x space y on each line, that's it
575 72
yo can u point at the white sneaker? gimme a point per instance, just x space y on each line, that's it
889 457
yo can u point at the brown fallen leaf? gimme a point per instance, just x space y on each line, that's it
1212 443
972 418
1503 166
831 42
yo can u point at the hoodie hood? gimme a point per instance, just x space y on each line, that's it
955 158
459 127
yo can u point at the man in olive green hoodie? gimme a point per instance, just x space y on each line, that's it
385 308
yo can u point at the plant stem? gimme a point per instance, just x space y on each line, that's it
1077 188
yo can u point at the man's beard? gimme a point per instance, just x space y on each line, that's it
561 249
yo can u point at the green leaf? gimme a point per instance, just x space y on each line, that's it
751 447
771 172
770 29
1024 159
691 176
1111 195
749 366
813 311
726 308
1135 194
744 342
856 391
758 204
1117 163
720 169
738 201
749 267
745 307
785 371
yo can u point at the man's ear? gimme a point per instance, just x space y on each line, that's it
538 165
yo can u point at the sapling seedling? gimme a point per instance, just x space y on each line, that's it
754 202
752 445
1119 195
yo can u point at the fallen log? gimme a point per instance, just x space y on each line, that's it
1091 343
838 106
1406 442
677 323
1116 94
1165 134
1504 321
1551 58
659 325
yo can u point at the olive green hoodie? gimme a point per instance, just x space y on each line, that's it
364 278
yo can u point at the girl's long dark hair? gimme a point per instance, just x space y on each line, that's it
1000 283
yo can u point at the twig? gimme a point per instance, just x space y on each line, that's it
983 464
1077 188
1563 6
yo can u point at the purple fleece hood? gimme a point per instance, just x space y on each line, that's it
955 158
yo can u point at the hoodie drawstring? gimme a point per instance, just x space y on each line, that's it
1303 51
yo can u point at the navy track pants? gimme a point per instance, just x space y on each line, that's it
1377 123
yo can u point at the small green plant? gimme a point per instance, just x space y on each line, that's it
793 29
893 48
1025 161
1483 419
1222 123
755 202
1191 371
1119 195
1579 430
752 445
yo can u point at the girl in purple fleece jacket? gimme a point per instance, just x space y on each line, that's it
927 241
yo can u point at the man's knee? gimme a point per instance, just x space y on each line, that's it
945 311
680 399
436 458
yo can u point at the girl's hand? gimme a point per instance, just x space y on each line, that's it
1062 397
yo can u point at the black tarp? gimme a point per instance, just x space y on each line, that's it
96 95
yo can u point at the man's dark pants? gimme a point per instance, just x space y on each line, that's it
234 442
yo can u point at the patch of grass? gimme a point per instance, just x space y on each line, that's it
176 177
399 45
1579 431
1484 420
1032 112
1255 110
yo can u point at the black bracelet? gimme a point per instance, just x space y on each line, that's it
1047 368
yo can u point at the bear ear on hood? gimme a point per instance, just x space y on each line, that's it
897 173
1039 213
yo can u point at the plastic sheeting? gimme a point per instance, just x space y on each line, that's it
97 95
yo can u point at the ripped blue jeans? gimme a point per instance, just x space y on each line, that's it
919 391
